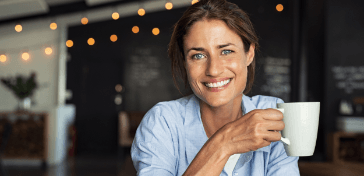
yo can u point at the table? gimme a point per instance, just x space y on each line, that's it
331 169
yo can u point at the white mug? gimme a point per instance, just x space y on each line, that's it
301 121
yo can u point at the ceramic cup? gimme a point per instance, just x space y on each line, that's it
301 121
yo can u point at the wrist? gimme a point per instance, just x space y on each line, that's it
221 146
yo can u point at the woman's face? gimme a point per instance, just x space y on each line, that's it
216 62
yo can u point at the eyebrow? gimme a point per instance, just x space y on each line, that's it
203 49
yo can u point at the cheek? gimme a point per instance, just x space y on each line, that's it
192 73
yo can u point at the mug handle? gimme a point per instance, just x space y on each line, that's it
284 140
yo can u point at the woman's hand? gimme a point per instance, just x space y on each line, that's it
252 131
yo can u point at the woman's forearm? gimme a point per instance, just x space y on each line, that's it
210 160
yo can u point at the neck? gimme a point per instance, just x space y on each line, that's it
213 118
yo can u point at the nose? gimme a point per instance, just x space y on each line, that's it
214 67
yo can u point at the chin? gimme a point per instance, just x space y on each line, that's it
215 101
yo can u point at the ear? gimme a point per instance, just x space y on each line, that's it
250 54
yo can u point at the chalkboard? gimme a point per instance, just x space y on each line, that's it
348 78
273 77
148 78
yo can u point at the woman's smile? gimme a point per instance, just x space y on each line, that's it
216 86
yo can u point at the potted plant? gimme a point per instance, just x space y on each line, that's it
23 87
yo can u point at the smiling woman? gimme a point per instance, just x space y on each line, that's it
217 130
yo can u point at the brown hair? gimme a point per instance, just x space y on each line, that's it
235 18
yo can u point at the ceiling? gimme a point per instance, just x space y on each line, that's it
15 10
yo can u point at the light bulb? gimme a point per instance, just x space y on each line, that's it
69 43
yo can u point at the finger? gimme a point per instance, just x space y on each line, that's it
275 125
267 114
272 114
272 136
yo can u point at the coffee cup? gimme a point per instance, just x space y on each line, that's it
301 121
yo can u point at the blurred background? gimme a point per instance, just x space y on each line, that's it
77 76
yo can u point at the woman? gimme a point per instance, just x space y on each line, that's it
216 130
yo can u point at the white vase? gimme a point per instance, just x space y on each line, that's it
24 104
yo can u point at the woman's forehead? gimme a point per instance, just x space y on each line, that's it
211 31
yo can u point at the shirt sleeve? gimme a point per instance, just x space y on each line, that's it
279 163
152 150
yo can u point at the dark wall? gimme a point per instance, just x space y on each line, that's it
344 62
312 60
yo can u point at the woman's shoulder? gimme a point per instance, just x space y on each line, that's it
173 110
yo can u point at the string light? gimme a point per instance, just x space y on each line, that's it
141 12
169 5
69 43
194 2
18 28
48 51
3 58
113 38
84 20
53 26
279 7
115 15
155 31
91 41
135 29
25 56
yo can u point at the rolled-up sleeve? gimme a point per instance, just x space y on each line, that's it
152 150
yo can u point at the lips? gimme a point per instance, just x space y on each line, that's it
218 85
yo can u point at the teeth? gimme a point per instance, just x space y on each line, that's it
218 84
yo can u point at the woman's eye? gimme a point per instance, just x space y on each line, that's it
226 52
198 56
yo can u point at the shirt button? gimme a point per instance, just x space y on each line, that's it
236 173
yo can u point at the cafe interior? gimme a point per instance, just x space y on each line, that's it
77 77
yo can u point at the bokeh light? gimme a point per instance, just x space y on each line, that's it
113 38
53 26
115 15
25 56
141 12
84 20
48 51
18 28
155 31
91 41
3 58
194 2
279 7
69 43
118 88
169 5
135 29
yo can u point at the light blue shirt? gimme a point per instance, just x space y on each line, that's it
171 134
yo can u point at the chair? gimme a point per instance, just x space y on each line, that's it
4 141
128 124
